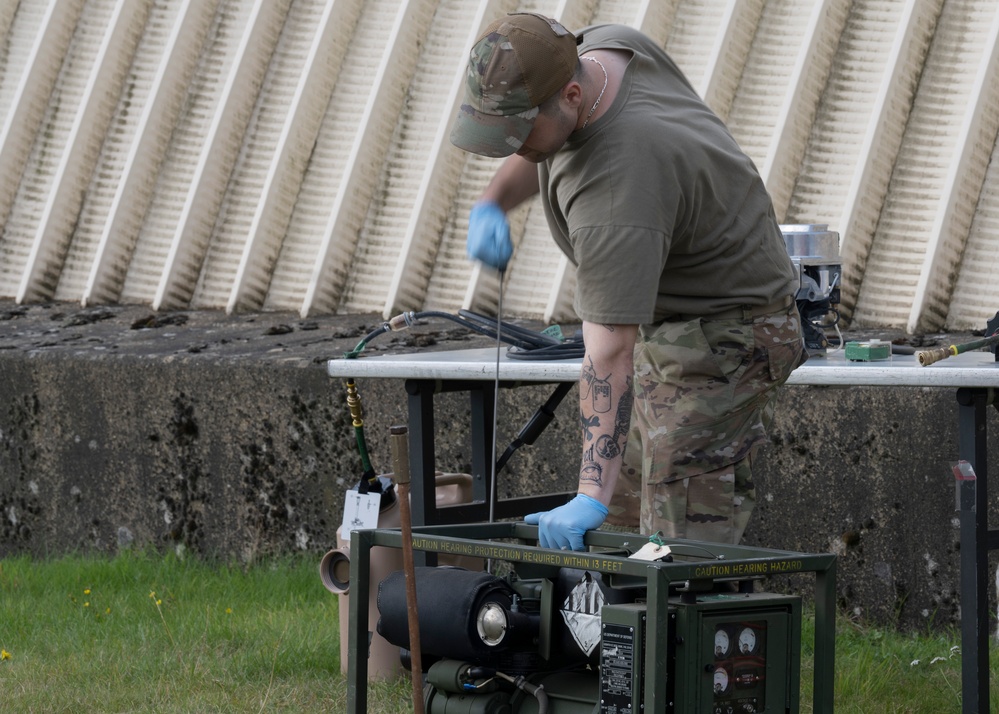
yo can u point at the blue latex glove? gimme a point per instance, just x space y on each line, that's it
489 235
563 527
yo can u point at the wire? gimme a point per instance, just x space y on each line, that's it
573 349
839 335
525 343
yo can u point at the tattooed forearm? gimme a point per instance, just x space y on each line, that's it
591 471
607 447
610 446
589 424
622 422
605 403
596 389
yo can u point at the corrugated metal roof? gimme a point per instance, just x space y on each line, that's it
293 154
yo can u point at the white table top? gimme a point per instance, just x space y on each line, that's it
971 369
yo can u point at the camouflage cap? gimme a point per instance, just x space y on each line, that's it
520 60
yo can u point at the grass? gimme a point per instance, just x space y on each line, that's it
878 671
143 632
148 633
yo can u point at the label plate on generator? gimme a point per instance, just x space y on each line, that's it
617 669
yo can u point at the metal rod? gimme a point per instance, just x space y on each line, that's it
400 467
496 385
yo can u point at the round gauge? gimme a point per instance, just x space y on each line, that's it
747 640
721 680
723 644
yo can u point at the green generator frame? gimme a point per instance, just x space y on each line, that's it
662 614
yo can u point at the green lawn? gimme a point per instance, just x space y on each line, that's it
151 633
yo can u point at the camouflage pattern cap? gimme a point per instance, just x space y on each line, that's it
520 60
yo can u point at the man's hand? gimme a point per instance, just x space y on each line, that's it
489 235
563 527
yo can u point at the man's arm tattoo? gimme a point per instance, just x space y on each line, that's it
591 471
610 446
623 421
589 424
607 447
595 388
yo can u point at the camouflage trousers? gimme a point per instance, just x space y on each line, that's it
704 399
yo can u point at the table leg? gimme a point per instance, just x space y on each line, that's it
482 403
972 404
825 641
423 505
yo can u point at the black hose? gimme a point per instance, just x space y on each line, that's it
537 423
525 343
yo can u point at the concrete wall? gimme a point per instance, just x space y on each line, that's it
223 436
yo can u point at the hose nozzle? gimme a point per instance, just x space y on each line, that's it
927 357
402 321
354 404
930 356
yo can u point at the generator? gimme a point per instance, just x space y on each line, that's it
814 251
633 624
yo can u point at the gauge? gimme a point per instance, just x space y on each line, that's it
747 640
721 680
723 644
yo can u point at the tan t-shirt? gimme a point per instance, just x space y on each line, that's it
658 207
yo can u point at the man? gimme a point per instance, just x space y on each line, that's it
684 284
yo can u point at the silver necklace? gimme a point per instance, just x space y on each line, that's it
601 95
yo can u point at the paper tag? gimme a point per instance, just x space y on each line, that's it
651 551
360 510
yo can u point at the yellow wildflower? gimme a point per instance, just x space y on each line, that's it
86 604
228 611
4 654
87 591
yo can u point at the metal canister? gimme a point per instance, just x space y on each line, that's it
813 242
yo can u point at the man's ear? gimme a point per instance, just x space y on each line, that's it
572 93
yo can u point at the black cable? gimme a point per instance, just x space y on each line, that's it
564 350
525 343
544 416
528 337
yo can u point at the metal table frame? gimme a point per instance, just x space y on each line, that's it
974 376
